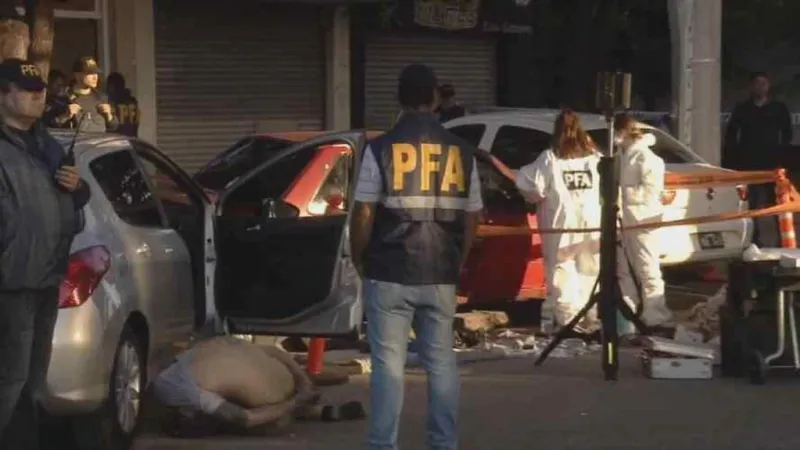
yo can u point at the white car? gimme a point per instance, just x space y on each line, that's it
160 257
517 137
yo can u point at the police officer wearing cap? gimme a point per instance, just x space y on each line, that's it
40 196
417 206
87 107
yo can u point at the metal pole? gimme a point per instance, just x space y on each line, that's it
609 287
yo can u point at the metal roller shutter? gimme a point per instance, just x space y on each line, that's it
467 63
223 73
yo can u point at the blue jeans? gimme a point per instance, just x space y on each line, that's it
392 310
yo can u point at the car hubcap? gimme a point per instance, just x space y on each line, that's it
128 386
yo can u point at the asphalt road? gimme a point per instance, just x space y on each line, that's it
565 404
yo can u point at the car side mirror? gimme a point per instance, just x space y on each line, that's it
278 209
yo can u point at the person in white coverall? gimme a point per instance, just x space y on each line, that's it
641 181
564 182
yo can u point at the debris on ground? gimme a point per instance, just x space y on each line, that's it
470 328
701 323
493 345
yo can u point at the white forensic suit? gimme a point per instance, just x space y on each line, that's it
568 194
641 180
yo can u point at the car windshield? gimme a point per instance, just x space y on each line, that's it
666 147
230 164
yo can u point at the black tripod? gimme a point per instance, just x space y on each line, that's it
609 298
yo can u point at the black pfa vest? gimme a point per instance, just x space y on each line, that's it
418 234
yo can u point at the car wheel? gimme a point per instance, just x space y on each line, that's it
128 380
116 424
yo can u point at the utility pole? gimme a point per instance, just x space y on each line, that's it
696 31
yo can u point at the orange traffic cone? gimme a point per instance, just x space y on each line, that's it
316 355
314 366
785 220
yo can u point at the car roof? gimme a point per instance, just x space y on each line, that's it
85 141
539 118
300 136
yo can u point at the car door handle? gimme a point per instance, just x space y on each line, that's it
144 249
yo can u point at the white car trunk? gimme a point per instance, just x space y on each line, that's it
710 239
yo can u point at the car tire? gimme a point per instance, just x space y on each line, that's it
116 424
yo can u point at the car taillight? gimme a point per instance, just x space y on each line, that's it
742 191
668 197
85 270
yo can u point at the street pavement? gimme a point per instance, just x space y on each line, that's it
565 404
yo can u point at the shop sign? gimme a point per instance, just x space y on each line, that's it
492 16
447 15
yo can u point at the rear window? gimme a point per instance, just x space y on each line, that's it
242 156
518 146
469 133
666 147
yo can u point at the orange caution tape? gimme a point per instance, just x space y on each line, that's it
790 196
714 178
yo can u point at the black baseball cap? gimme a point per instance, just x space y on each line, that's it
22 73
85 64
418 76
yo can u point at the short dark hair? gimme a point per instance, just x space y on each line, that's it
116 80
758 74
417 86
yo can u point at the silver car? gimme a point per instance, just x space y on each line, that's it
160 258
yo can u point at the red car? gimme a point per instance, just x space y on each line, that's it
499 269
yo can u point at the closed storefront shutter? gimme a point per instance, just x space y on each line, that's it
467 63
228 69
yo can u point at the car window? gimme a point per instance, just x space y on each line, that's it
518 146
666 146
169 187
125 188
332 195
469 133
232 163
274 181
498 192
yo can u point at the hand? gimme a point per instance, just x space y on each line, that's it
104 109
73 109
307 395
67 177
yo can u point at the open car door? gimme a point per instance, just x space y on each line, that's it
274 271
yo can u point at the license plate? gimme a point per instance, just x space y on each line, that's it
711 241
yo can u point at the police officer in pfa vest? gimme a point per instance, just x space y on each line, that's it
124 105
88 108
416 212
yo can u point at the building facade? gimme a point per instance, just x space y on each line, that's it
460 40
207 72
